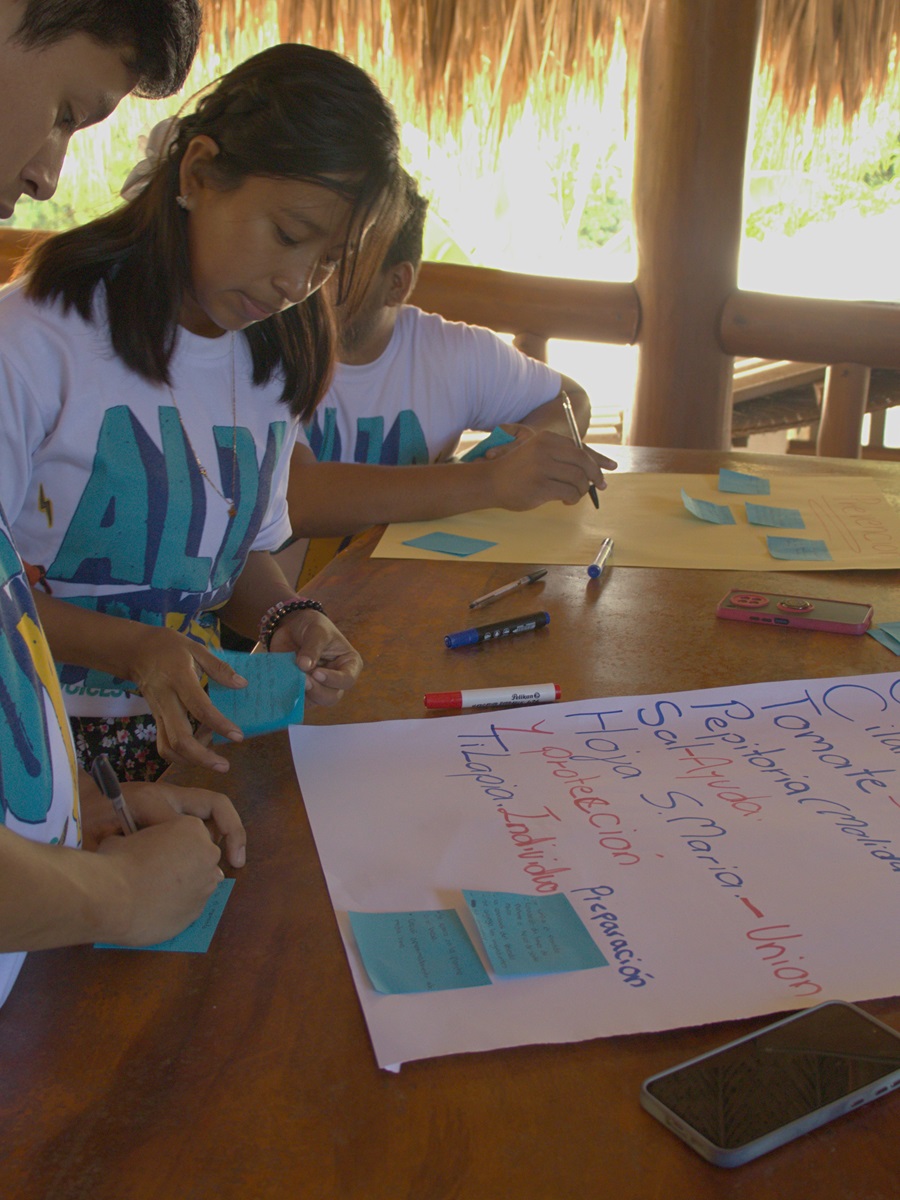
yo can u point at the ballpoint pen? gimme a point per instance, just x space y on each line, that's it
595 570
106 781
576 438
532 577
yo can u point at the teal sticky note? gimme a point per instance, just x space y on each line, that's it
406 952
197 937
450 543
767 514
497 437
273 698
737 481
716 514
888 633
808 549
532 935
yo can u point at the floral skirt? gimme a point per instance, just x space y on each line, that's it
128 742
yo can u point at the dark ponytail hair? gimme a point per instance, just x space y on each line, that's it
291 112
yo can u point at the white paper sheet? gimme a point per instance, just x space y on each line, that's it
733 852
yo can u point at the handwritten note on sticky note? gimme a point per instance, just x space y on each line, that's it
273 698
705 510
768 514
198 935
532 935
737 481
450 543
407 952
497 437
805 549
888 633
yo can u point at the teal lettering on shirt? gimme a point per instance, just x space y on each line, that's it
10 563
404 444
106 541
176 564
26 772
369 440
328 447
254 484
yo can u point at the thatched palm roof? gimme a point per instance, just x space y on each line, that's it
831 54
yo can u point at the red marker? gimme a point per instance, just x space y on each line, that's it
538 693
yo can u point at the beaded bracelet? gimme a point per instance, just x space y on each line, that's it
273 616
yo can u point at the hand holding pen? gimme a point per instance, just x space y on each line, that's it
157 880
576 438
539 465
106 780
155 804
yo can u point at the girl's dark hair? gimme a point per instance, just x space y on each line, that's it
291 112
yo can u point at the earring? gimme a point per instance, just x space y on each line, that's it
182 202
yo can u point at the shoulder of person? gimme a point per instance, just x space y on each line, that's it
416 322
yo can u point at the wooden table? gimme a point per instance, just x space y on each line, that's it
247 1071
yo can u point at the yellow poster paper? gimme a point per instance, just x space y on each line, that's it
651 527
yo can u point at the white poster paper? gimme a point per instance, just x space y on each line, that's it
733 852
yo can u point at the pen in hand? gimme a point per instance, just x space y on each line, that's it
106 781
576 438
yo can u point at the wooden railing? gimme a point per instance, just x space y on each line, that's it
837 339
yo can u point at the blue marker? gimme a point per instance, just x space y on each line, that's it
499 629
595 570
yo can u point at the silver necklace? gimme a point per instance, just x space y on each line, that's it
229 500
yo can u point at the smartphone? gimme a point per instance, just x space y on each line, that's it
798 612
763 1090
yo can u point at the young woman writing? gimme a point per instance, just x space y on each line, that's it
160 358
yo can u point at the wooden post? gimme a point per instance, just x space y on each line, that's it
843 408
698 61
531 344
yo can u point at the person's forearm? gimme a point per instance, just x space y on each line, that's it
552 416
87 638
51 896
331 499
260 585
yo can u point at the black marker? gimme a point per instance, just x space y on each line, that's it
499 629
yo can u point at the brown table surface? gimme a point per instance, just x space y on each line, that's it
247 1071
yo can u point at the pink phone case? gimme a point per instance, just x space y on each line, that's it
796 612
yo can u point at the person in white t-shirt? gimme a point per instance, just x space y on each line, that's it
406 386
161 358
64 66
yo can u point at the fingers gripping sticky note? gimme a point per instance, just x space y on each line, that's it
198 935
273 697
497 437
